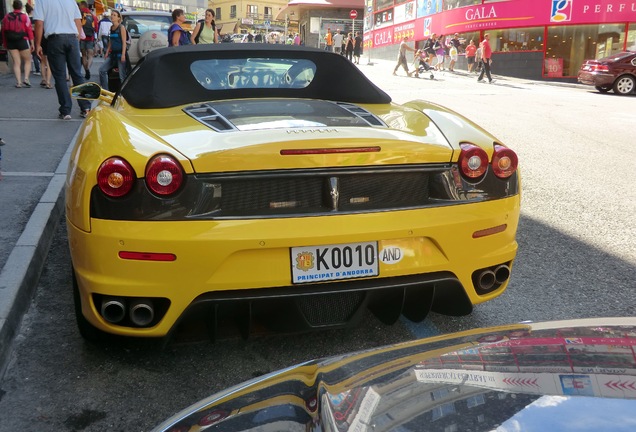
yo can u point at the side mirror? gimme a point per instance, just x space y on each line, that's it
90 91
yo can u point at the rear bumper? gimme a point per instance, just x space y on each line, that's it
596 79
220 262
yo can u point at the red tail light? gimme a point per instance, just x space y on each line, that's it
600 68
504 162
164 175
115 177
473 161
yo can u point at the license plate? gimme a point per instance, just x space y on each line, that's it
334 262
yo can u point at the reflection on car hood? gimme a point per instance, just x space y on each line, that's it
568 375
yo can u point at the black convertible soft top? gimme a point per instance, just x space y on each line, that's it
164 78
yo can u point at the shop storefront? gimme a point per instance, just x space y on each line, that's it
537 39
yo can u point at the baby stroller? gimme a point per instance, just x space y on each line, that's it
421 66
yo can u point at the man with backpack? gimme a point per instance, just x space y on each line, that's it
87 45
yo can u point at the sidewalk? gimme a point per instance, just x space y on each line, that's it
33 170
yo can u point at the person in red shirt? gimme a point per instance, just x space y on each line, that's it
87 44
19 42
486 57
471 52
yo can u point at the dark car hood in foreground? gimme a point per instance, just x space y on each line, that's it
568 375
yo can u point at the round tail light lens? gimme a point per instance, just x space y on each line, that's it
504 162
115 177
164 175
473 161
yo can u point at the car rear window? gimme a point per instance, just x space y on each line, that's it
246 73
137 25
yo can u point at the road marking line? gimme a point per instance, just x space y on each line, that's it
28 174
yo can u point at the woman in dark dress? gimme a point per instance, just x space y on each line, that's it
357 48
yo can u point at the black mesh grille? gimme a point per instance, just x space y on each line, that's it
383 191
341 192
330 309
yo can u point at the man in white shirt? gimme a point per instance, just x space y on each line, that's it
104 32
337 41
60 22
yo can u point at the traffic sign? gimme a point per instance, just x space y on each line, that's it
353 14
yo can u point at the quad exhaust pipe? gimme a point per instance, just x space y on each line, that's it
141 311
491 278
113 309
486 280
502 273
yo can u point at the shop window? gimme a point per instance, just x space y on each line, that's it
568 47
452 4
631 37
383 4
519 39
384 18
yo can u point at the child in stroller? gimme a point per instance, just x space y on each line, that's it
421 65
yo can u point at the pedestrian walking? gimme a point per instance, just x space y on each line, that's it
471 52
453 51
486 56
478 62
60 22
103 32
338 40
349 47
87 45
429 48
401 60
115 55
205 30
329 41
177 36
440 53
35 61
357 48
17 36
46 69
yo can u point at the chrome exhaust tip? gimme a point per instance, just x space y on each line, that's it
113 309
502 274
486 280
142 312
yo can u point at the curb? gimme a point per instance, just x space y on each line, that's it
21 273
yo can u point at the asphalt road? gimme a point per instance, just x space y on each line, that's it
577 258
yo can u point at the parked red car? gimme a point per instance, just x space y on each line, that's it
617 72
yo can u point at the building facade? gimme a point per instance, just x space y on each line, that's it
316 17
253 16
535 39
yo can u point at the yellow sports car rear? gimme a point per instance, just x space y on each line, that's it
254 188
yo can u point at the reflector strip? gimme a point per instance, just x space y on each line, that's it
147 256
490 231
287 152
